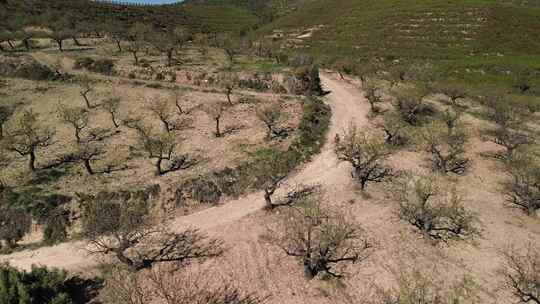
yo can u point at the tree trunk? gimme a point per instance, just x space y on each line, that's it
218 133
169 57
166 126
119 46
78 135
341 75
158 166
309 271
85 96
77 43
59 42
268 192
123 258
136 58
26 44
113 118
88 167
32 163
229 92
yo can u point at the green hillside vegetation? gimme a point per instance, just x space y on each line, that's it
217 17
475 39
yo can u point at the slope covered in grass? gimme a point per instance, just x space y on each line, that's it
496 36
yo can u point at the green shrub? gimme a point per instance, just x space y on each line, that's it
33 201
37 286
312 129
56 225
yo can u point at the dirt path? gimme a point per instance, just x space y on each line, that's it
347 106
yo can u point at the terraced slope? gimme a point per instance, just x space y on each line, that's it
417 28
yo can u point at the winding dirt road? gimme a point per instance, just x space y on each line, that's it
347 106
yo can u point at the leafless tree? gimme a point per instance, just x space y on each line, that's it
426 287
271 115
270 170
76 117
86 153
162 148
14 225
522 187
170 42
446 148
373 95
231 45
366 155
86 87
437 213
137 37
453 91
215 111
162 109
125 229
510 125
412 107
174 286
112 106
521 272
394 128
322 239
26 137
229 81
59 35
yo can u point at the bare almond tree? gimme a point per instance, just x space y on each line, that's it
162 147
270 170
522 186
454 92
171 285
271 115
394 128
322 239
85 154
26 137
521 273
439 214
412 107
86 87
161 108
228 81
366 155
426 287
510 125
76 117
373 95
125 229
446 148
112 106
215 111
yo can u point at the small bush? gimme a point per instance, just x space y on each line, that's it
102 66
34 201
40 285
